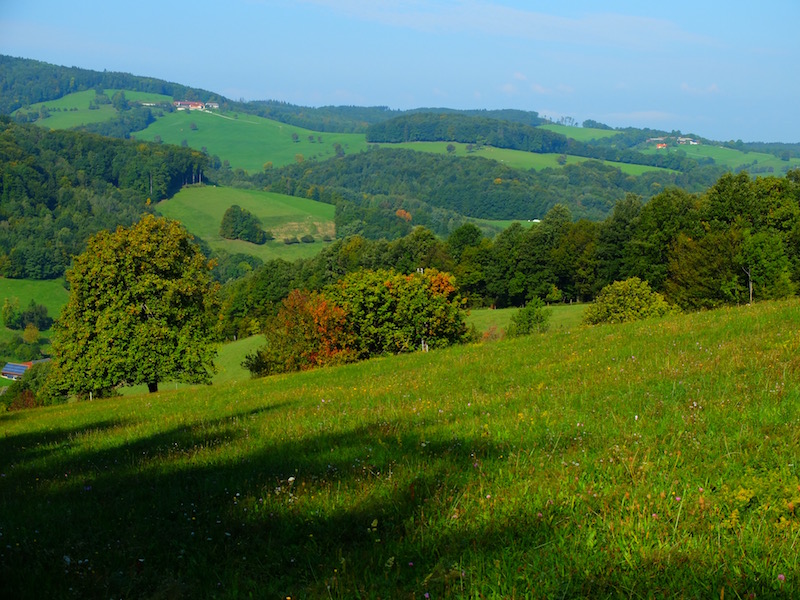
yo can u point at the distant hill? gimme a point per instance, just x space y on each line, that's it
327 153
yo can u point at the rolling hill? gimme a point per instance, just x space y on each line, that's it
653 458
246 141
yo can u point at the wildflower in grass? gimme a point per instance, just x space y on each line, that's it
677 498
781 577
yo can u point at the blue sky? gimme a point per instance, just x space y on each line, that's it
723 70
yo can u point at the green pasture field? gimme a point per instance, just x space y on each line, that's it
656 459
491 322
247 141
516 159
732 159
200 209
581 134
51 293
228 364
62 115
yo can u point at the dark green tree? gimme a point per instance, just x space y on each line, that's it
240 224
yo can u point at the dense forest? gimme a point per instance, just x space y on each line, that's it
59 187
474 186
739 237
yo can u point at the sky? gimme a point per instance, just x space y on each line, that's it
723 70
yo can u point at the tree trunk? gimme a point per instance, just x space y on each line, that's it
152 387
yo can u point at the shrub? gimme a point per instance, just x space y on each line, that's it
628 300
532 318
32 390
389 312
309 331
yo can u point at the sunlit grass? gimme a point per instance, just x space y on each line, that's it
517 159
200 210
652 459
247 141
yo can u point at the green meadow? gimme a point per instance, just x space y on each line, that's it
200 210
72 110
733 159
516 159
582 134
247 141
655 459
492 322
51 293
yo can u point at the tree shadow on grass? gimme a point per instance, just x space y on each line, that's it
21 447
176 514
207 510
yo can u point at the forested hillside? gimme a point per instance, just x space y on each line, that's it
59 187
24 82
478 187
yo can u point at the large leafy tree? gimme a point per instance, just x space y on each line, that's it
141 311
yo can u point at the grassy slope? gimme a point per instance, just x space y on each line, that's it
489 321
582 134
731 159
653 459
51 294
516 159
246 141
65 117
201 208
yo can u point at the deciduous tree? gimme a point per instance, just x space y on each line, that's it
141 310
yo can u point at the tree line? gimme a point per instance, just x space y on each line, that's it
738 240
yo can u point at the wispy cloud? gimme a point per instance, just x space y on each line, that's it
560 89
639 116
494 18
700 91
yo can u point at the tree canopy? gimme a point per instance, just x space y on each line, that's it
140 311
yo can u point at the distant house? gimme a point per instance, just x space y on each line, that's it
661 146
188 105
192 105
15 371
